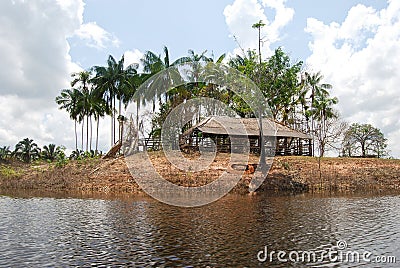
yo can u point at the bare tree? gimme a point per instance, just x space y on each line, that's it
330 134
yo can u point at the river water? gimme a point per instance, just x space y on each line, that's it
236 231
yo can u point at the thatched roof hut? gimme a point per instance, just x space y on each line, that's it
220 125
220 128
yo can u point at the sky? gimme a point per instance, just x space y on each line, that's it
354 43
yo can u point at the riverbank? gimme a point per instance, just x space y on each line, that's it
287 174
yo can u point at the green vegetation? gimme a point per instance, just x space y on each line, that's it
286 165
8 171
5 153
297 98
26 150
29 152
51 152
364 140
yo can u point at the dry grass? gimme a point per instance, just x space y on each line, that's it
112 176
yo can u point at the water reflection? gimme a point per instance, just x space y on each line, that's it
228 233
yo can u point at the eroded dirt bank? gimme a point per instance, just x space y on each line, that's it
290 174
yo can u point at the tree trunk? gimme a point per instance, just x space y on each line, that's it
378 151
87 132
312 120
137 117
363 149
259 43
91 134
76 137
121 130
114 119
119 114
83 131
97 135
319 171
263 163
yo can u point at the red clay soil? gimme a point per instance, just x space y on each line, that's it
294 174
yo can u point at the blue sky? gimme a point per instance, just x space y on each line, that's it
149 25
354 43
198 25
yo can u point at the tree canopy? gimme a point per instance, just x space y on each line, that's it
364 140
296 98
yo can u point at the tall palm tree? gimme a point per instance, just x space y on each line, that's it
110 82
134 82
98 108
85 104
27 150
82 81
69 100
195 59
153 64
319 91
194 73
317 88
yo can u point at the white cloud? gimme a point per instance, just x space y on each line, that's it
133 56
23 118
33 47
95 36
242 14
283 17
359 57
36 65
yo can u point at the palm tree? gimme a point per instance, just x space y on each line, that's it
27 150
212 88
83 83
318 90
51 151
5 152
110 82
98 108
194 73
69 100
85 104
153 64
134 82
314 82
82 79
76 154
195 59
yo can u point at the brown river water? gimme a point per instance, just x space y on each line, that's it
235 231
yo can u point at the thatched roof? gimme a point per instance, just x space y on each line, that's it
225 125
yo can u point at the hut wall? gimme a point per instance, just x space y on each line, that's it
222 143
